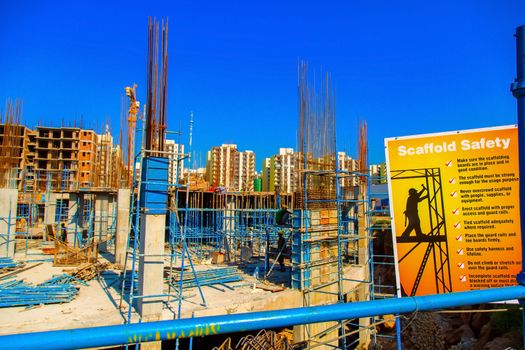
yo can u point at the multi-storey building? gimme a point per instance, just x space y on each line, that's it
57 156
347 165
87 158
279 172
109 161
378 173
265 174
175 153
16 154
220 165
282 171
244 171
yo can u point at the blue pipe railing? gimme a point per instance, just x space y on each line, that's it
213 325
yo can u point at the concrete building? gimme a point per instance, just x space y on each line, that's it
176 164
244 171
347 164
377 173
57 151
265 174
279 172
220 165
282 171
87 158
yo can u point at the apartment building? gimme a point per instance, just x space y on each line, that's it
16 154
265 174
56 156
244 171
110 168
377 173
283 173
87 158
175 153
220 165
347 164
279 172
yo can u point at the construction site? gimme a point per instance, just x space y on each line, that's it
93 233
118 242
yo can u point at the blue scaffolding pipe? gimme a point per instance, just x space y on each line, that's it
518 90
222 324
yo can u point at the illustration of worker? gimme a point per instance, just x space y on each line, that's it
411 213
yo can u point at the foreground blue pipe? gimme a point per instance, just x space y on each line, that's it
210 325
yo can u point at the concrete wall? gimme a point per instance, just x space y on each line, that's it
8 204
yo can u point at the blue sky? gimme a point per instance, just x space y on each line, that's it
406 67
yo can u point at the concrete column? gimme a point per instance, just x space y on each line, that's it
50 209
73 219
364 256
228 227
151 265
101 219
8 206
121 237
112 214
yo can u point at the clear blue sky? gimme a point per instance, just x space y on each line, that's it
406 67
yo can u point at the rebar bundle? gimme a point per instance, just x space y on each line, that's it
316 136
363 148
10 147
157 87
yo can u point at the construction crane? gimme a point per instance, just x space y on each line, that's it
134 107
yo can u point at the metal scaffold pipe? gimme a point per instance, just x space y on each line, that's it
518 90
222 324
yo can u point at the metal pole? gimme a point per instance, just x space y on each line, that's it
518 90
222 324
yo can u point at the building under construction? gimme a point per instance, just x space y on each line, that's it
124 237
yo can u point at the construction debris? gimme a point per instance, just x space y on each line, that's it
87 271
18 269
264 340
8 264
66 255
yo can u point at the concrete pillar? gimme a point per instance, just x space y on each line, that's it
101 219
8 206
364 257
50 209
228 227
151 270
112 214
73 219
153 202
121 237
